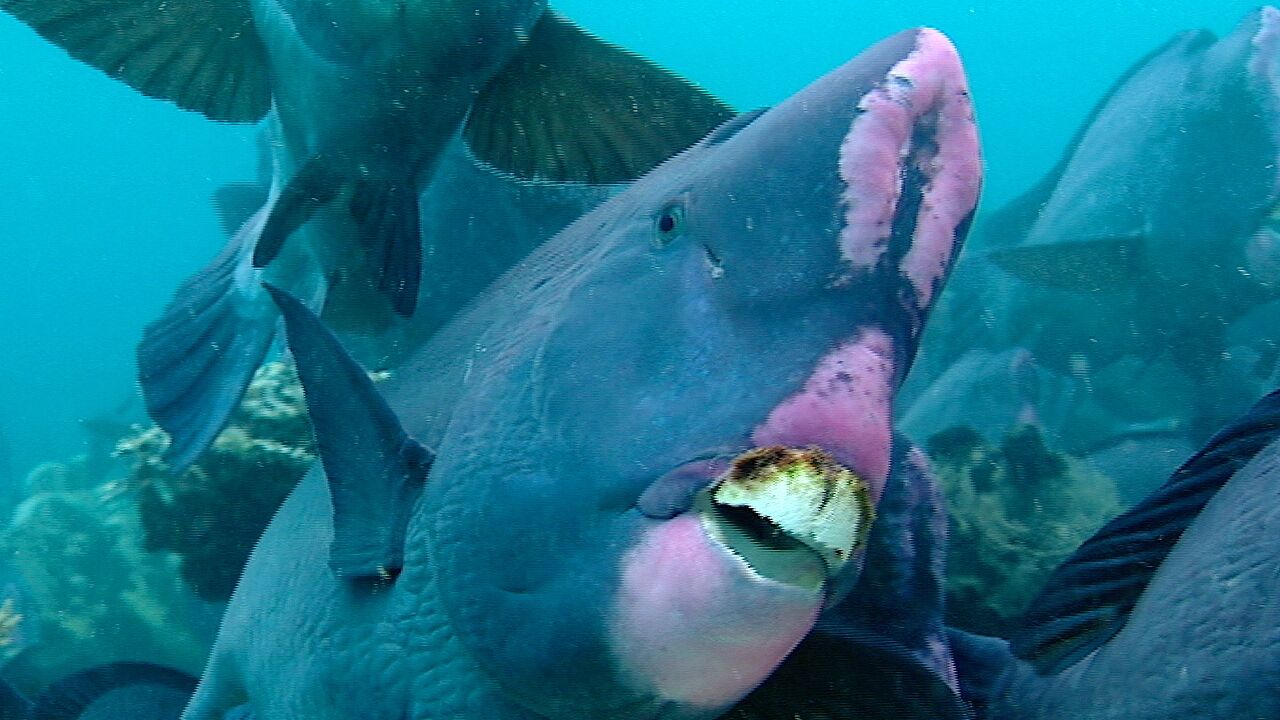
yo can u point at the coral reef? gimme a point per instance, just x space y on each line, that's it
212 514
96 594
1016 511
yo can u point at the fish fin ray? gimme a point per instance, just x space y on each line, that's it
203 55
573 108
315 184
1077 266
388 215
197 358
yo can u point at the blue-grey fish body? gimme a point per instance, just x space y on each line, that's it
1171 610
538 521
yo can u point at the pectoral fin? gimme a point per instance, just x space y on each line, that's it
204 55
383 207
374 469
1084 266
573 108
1088 598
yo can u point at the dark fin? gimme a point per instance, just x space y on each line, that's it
733 126
204 55
1083 266
196 360
13 704
315 184
1009 225
984 665
236 202
851 677
881 652
573 108
1088 598
375 470
388 215
123 690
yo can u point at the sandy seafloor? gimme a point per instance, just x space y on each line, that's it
104 194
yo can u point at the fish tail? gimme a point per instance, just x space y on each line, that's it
196 360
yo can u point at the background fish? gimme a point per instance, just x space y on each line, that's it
1127 271
590 400
1169 611
365 96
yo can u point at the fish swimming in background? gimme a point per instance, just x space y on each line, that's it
364 96
1171 610
640 469
1128 271
1153 234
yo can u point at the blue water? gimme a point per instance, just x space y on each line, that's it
104 194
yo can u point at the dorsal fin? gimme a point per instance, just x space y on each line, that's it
375 471
1088 598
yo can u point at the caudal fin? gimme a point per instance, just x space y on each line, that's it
196 360
117 691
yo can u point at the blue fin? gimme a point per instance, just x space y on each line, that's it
385 208
118 691
375 470
196 360
881 652
388 215
1088 598
983 664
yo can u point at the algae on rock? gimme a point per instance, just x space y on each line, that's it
1016 511
212 513
97 595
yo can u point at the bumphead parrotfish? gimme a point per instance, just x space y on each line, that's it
633 476
364 95
1171 610
1166 192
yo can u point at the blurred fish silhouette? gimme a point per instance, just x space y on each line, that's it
1171 610
1154 232
366 95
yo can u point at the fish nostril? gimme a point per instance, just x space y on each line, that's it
714 265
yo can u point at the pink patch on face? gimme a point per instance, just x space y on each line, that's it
843 408
924 93
694 624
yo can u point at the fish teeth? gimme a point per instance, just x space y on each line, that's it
806 494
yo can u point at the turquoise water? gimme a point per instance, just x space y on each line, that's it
104 194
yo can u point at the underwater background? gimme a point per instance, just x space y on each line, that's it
104 194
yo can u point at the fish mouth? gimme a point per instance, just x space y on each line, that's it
792 515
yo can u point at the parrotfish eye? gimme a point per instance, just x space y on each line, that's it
669 224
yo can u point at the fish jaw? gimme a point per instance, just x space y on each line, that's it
710 602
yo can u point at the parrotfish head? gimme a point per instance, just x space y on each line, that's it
432 38
686 429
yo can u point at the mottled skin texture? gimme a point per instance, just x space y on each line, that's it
681 320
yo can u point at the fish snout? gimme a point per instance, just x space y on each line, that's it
777 503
